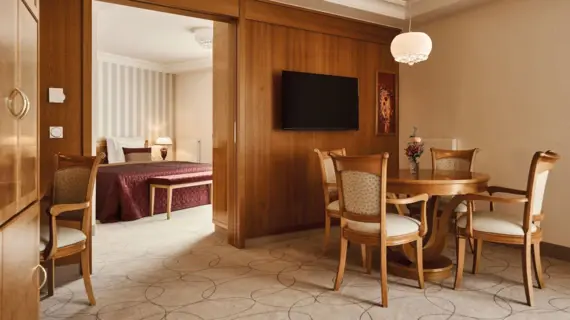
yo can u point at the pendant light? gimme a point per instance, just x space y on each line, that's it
411 47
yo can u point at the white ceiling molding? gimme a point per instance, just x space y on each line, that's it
387 12
174 68
190 65
392 8
345 11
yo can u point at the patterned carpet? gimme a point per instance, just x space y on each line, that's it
156 269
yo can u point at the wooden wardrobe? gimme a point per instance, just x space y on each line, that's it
19 193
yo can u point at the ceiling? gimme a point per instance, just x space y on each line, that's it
387 12
147 35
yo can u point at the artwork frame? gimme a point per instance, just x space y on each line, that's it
387 103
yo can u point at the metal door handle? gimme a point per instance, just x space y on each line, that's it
10 103
43 270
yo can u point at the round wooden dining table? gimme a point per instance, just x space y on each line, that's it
435 183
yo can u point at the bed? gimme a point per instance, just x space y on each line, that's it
122 190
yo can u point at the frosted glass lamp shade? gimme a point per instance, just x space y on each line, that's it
411 47
164 141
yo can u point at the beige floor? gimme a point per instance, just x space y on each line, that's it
156 269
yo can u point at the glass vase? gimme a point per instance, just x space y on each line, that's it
414 167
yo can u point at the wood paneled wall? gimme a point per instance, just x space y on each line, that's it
62 48
282 190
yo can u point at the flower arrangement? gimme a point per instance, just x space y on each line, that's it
414 150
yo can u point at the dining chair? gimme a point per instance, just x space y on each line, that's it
523 229
457 160
328 180
363 217
72 192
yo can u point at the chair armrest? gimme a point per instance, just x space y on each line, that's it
481 197
414 199
424 197
497 189
58 209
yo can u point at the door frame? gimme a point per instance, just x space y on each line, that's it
235 234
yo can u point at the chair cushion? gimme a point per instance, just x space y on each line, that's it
65 237
396 225
496 222
444 200
334 206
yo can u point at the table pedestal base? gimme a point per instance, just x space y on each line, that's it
434 270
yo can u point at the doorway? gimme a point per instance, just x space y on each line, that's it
224 101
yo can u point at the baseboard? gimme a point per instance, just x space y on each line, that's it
555 251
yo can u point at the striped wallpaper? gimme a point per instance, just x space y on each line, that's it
132 101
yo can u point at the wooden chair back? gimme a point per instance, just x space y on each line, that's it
541 165
461 160
328 176
362 188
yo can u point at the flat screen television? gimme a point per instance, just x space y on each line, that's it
312 102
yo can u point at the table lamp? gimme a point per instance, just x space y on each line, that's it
164 142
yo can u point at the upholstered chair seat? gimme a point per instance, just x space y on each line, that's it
496 222
396 225
334 206
65 237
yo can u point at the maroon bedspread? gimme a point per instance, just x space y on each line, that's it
123 191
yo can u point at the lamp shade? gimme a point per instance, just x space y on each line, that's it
164 141
411 47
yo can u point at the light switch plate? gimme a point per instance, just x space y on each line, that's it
55 132
56 95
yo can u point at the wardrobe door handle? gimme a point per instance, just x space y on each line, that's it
10 103
43 270
26 107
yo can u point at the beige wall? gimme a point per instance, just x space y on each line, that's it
193 104
497 79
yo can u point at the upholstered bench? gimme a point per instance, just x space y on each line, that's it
172 182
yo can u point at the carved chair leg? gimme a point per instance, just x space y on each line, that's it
87 277
341 263
420 262
527 272
460 261
384 272
50 269
477 254
538 265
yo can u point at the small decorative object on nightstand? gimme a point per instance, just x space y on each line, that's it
164 142
414 151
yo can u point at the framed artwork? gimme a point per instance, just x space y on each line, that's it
386 103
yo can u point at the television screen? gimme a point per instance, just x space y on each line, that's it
318 102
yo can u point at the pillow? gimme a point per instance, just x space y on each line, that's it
115 147
137 154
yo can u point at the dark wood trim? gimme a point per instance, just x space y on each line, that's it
555 251
309 20
86 69
172 9
218 8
